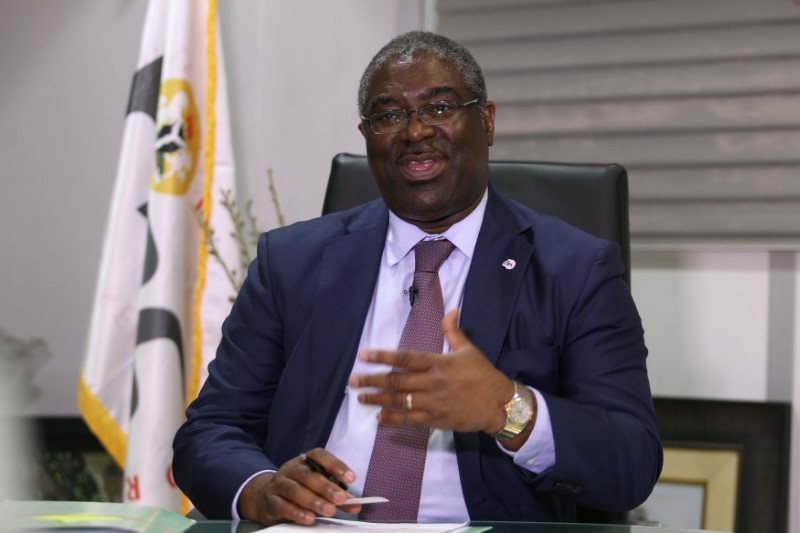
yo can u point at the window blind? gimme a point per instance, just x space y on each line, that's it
698 99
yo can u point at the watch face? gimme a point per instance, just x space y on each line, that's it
520 411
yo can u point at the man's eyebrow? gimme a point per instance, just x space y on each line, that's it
383 99
437 91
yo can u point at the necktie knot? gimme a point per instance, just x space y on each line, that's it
429 255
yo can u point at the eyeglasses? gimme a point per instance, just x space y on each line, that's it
435 114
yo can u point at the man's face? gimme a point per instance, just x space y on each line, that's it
431 176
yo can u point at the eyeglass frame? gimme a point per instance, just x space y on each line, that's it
407 114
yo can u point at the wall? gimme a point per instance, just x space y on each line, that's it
706 320
294 83
67 70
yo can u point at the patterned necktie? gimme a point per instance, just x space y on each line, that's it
398 456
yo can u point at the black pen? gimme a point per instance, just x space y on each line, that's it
316 467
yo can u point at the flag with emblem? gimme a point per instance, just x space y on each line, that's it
161 297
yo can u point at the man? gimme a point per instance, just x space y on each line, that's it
538 399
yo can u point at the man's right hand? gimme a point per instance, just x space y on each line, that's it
295 493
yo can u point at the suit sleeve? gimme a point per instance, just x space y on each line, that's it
608 451
221 443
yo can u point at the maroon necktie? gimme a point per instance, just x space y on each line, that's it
398 456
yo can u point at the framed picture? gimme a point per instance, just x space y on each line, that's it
697 489
726 464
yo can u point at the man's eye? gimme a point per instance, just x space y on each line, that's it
440 108
387 116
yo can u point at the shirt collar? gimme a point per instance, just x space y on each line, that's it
403 236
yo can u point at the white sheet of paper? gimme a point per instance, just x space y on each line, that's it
366 499
357 526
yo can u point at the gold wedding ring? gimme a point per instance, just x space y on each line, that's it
409 402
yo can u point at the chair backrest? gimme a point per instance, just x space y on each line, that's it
592 197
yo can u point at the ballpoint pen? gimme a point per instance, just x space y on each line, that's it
315 466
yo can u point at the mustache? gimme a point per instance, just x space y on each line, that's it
420 149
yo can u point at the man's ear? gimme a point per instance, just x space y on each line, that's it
488 114
362 129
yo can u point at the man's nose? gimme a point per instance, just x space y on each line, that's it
416 129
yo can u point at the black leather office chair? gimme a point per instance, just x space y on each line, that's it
592 197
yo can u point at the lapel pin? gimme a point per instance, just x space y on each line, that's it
508 264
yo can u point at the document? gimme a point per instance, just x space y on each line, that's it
328 525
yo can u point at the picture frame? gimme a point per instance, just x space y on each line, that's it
759 433
697 488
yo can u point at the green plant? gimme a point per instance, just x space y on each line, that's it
245 232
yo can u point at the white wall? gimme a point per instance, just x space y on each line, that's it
705 322
66 71
721 324
794 480
294 68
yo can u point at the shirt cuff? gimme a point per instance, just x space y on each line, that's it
235 504
539 451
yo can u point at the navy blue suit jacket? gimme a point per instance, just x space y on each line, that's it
562 321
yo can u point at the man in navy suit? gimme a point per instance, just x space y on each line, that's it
541 401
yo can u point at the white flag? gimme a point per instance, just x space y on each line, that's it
160 298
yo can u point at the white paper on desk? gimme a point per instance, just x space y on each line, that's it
357 526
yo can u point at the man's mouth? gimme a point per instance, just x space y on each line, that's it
420 166
422 169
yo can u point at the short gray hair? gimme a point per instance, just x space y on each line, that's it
405 46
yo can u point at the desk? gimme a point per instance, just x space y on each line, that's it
221 526
94 516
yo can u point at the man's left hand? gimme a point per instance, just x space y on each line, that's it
459 391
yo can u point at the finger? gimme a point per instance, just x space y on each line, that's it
297 494
354 508
319 493
404 418
409 359
390 381
455 336
280 510
333 465
396 399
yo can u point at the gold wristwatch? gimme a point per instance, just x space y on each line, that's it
519 412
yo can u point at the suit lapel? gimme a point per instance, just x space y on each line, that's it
501 259
490 295
347 275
